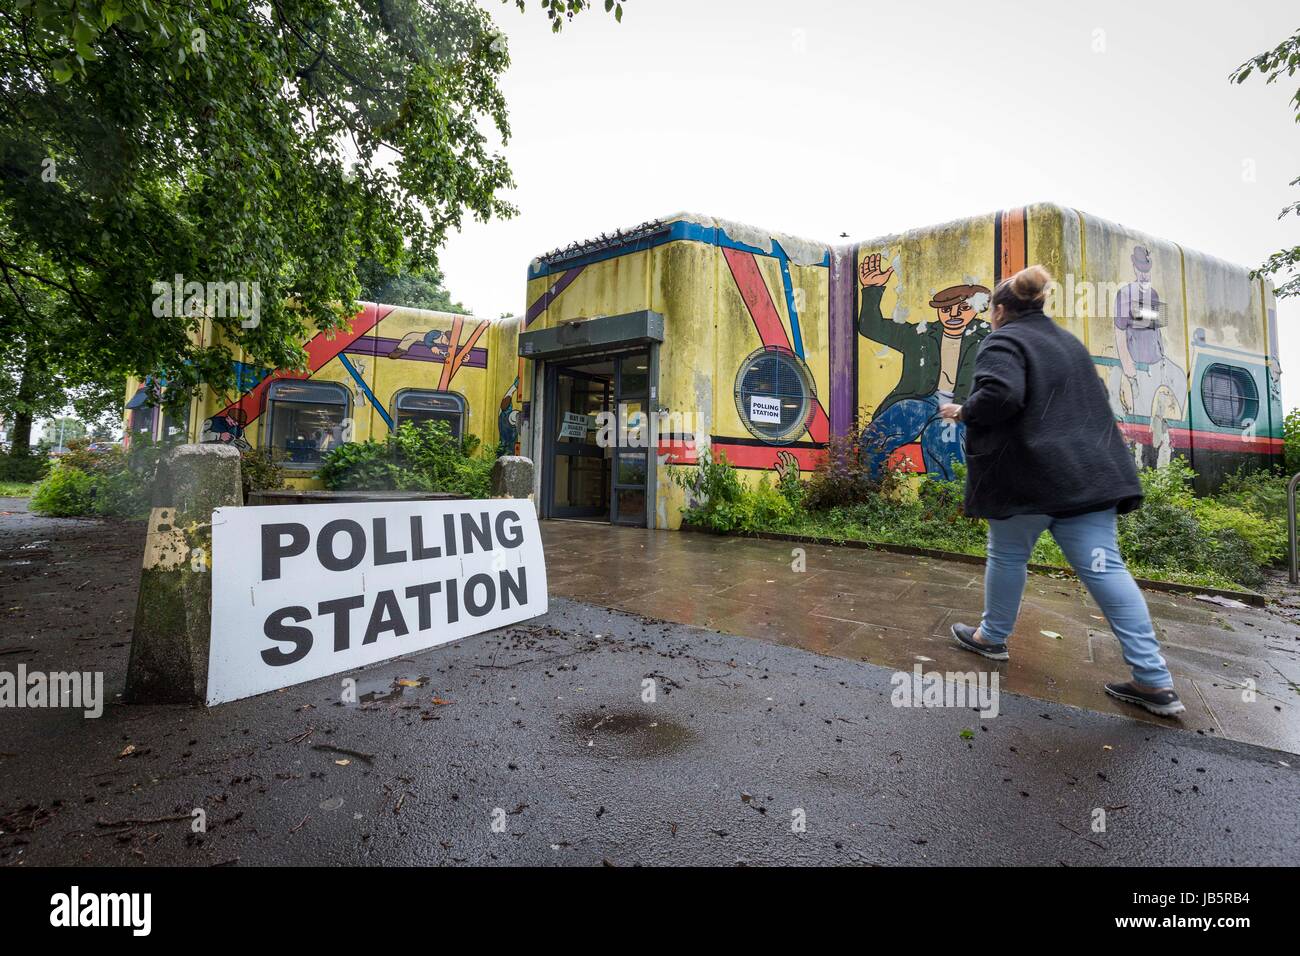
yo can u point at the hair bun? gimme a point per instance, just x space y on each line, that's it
1029 285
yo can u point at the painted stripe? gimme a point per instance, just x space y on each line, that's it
459 355
788 284
1011 240
379 346
757 297
743 455
321 349
843 340
679 231
551 294
771 331
1209 441
370 396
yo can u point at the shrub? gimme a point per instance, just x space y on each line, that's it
23 467
433 459
713 492
842 476
359 466
1291 437
259 470
763 507
109 482
65 492
424 457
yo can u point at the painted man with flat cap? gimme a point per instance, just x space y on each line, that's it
938 368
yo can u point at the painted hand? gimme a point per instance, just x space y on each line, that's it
871 275
1127 389
786 464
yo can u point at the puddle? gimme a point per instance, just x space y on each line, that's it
378 691
631 733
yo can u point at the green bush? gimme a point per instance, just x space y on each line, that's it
424 457
23 467
64 493
1221 541
1291 437
842 477
713 493
260 470
110 482
359 466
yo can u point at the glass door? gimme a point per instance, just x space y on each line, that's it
631 455
580 468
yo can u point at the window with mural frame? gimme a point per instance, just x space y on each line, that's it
419 405
1230 396
304 419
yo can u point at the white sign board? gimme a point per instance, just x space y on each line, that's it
575 425
302 591
764 409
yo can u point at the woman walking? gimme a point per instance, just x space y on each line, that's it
1043 453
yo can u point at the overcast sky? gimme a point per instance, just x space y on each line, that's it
818 118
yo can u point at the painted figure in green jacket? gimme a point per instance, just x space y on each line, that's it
938 367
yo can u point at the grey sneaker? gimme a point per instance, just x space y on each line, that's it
1163 703
964 635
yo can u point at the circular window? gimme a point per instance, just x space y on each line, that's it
1229 395
774 395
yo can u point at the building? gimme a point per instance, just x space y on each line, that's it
639 349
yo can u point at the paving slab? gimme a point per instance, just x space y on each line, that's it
1238 671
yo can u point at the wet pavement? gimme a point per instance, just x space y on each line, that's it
537 744
1238 671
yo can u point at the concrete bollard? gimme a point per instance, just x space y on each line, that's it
512 477
173 614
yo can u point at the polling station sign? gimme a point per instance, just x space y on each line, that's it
302 591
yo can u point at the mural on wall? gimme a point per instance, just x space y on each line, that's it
508 422
225 429
1146 382
938 367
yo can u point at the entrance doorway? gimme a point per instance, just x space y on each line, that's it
594 472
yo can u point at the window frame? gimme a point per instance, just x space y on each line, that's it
268 430
435 393
1246 393
808 384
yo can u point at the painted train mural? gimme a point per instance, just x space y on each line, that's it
770 345
391 366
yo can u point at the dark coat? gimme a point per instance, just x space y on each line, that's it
922 351
1040 434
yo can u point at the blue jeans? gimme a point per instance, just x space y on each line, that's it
1090 546
909 420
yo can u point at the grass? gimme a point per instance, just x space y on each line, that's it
16 489
966 538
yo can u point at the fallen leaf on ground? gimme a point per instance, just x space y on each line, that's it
1050 634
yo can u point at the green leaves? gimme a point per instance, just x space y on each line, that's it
1282 59
237 141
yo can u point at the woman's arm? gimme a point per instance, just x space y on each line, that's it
999 389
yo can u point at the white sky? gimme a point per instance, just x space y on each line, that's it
817 118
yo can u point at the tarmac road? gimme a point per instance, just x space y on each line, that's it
533 745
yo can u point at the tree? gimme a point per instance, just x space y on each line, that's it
61 430
1282 59
423 290
42 368
166 160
